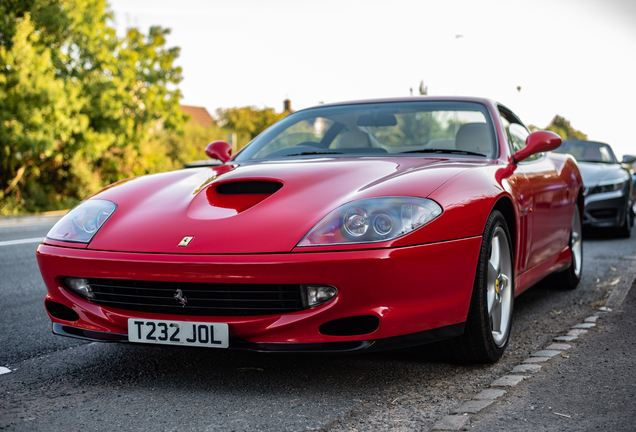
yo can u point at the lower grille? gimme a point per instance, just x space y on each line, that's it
205 299
610 213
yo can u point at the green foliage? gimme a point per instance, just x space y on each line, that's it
564 129
79 106
173 149
247 122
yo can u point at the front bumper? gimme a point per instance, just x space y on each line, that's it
418 294
395 342
607 209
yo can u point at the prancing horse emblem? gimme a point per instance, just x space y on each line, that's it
180 297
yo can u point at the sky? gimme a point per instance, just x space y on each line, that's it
573 58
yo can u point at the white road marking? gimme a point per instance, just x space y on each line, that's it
22 241
4 370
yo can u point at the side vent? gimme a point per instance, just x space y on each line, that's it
248 187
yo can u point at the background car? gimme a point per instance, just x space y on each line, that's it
346 227
608 186
633 174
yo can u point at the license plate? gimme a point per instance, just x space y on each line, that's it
211 335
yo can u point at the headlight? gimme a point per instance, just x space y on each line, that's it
80 286
607 187
315 295
372 220
82 223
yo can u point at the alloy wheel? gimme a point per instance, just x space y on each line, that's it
499 286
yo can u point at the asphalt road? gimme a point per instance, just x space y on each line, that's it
591 387
58 383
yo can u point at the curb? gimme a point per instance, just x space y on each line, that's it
460 418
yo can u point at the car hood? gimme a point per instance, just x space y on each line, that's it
155 212
595 173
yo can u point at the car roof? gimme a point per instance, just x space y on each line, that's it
584 141
409 99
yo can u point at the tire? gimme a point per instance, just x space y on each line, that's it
625 230
571 277
490 313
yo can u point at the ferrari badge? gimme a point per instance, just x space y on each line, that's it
185 241
181 298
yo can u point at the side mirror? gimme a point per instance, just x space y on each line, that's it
220 150
627 159
538 142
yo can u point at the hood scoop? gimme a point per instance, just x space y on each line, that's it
238 196
248 187
221 200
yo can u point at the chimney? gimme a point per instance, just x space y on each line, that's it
287 106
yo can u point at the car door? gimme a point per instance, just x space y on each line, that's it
550 198
522 189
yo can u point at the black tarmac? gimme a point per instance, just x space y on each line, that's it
591 386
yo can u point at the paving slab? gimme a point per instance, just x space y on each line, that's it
545 353
536 360
472 407
586 325
451 423
522 368
489 394
565 338
591 319
576 332
508 380
560 347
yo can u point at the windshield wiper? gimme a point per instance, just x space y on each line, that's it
311 153
452 151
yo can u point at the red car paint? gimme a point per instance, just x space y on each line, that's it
418 282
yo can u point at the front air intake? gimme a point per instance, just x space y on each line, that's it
196 298
60 311
351 326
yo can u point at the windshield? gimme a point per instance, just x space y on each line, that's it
406 128
588 151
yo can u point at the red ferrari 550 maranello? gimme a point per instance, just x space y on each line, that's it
345 227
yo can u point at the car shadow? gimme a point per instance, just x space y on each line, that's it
601 234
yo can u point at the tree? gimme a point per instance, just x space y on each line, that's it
248 121
77 103
173 149
423 88
564 129
39 111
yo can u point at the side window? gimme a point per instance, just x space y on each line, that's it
506 125
517 135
